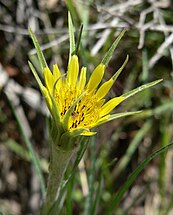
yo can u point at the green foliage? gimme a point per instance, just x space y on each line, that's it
32 152
110 182
132 177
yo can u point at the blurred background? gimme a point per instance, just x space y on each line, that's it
119 146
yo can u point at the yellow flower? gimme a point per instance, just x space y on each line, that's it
90 108
76 105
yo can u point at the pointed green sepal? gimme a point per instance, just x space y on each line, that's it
115 116
141 88
36 76
120 69
71 139
71 35
43 89
40 55
55 111
109 54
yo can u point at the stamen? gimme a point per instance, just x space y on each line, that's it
86 110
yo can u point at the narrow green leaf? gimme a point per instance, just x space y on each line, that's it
120 69
109 54
34 157
40 55
92 171
55 111
132 177
98 196
123 162
71 35
69 196
164 140
18 149
141 88
24 153
145 70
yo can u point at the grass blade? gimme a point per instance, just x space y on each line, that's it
123 162
18 149
165 139
34 157
89 198
132 177
98 196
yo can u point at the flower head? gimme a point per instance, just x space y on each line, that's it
86 99
76 104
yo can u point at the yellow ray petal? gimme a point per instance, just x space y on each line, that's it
96 77
104 89
110 105
73 70
56 72
57 77
82 80
48 77
100 102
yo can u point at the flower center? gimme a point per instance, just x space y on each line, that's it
85 113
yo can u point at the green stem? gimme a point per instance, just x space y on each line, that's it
58 164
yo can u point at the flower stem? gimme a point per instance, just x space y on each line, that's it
58 163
